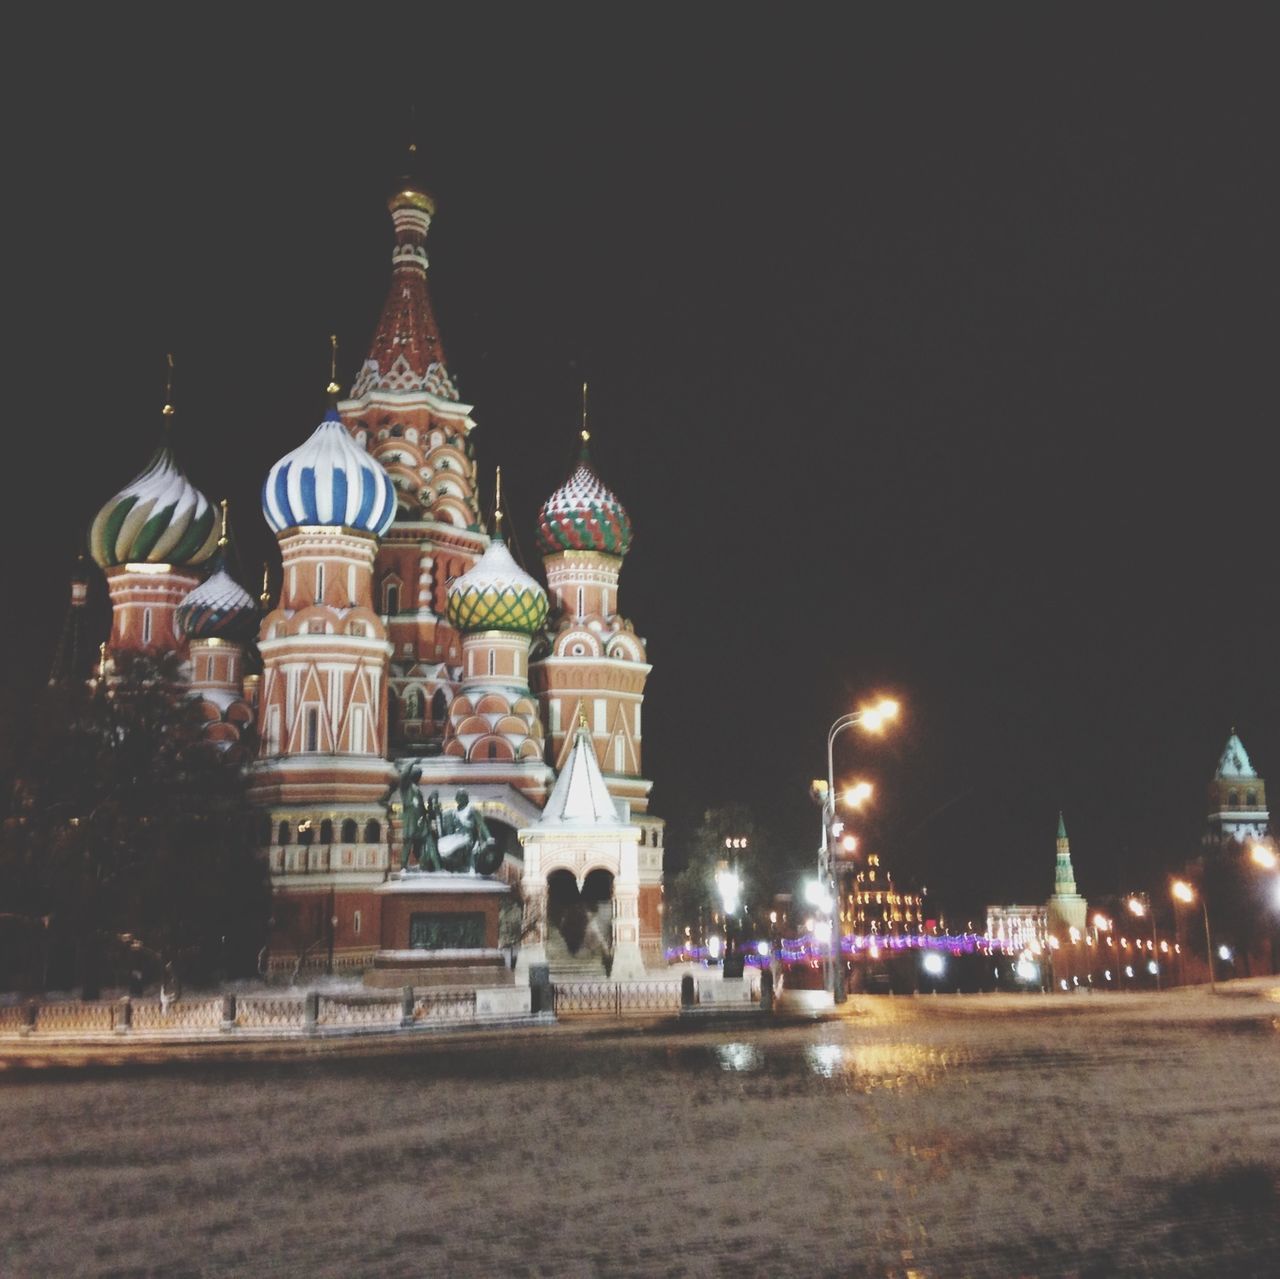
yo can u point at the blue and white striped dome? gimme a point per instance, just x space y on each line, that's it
329 480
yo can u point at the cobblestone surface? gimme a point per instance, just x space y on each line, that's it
930 1137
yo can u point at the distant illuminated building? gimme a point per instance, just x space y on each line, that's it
1017 927
1066 908
1237 799
874 905
1029 926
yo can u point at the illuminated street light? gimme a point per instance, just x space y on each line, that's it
1264 856
1183 892
1140 905
873 719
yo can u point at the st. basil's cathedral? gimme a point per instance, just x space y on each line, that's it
405 642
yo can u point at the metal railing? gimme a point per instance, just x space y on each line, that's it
614 998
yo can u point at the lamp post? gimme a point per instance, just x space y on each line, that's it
1140 904
1183 892
874 719
729 884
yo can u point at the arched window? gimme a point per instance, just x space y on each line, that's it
319 583
326 831
282 835
439 705
1233 798
1251 798
413 704
349 829
372 832
305 832
391 598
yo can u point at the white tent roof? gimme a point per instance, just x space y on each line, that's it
1234 763
580 797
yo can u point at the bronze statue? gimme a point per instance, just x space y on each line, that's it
419 819
466 844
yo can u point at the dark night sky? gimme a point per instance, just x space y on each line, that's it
934 355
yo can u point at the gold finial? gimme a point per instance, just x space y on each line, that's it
497 501
265 598
333 388
586 435
582 718
222 536
168 388
102 658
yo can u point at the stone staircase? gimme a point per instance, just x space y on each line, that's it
586 965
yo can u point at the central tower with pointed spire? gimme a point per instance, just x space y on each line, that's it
405 410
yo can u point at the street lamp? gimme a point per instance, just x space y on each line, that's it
1183 892
1140 905
1264 857
873 719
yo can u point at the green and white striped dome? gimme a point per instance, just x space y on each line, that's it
159 517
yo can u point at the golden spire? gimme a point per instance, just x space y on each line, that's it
586 435
168 391
497 502
265 598
222 537
102 659
333 388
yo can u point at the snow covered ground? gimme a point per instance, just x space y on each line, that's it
935 1136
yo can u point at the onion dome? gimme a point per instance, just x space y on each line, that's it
497 595
583 515
159 517
329 480
219 608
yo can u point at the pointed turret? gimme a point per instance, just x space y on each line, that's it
406 353
1066 909
580 797
1237 799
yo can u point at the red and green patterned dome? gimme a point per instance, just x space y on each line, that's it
583 515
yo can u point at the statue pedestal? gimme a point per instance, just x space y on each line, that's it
440 929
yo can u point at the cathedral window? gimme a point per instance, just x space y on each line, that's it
372 831
492 661
397 431
319 583
1251 798
146 626
1233 798
355 923
439 705
349 829
391 598
326 831
282 835
312 738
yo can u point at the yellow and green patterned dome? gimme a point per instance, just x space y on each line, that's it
497 595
